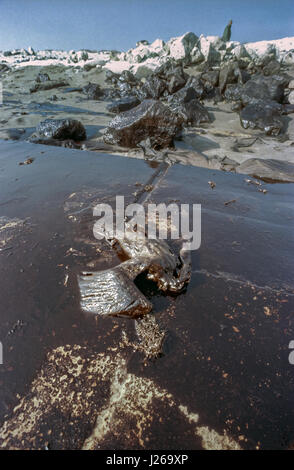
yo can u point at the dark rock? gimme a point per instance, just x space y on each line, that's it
192 112
124 104
244 76
48 85
111 77
272 68
197 84
263 88
153 88
213 94
211 78
150 119
128 77
229 74
4 68
111 94
42 77
176 82
93 91
124 88
168 70
185 104
262 115
88 67
164 69
233 92
254 90
61 129
184 95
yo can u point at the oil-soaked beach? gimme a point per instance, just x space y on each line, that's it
74 380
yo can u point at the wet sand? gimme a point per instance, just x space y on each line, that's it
72 380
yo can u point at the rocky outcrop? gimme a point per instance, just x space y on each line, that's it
188 49
150 119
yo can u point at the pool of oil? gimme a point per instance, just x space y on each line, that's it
225 353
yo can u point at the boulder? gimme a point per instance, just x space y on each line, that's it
177 80
61 129
197 84
181 47
196 56
150 119
111 77
229 74
143 71
262 52
272 68
184 95
166 70
210 78
124 104
128 77
262 115
208 46
192 112
264 88
4 68
288 58
153 88
241 52
93 91
124 88
90 66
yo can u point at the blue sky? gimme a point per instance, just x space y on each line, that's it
118 24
